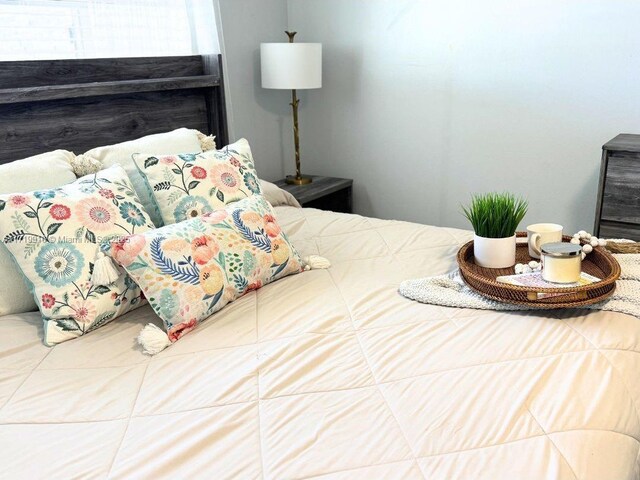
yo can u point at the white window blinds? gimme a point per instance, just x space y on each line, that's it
56 29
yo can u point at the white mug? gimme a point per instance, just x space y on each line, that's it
540 233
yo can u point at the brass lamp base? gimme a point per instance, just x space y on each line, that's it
295 180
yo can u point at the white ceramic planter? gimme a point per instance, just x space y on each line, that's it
494 252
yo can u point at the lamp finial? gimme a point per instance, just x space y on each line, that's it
290 35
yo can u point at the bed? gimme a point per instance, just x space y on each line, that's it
329 374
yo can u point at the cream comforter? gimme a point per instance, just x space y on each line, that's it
331 374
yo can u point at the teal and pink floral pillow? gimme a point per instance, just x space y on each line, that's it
187 185
192 269
54 237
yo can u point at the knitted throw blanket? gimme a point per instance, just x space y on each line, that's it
451 291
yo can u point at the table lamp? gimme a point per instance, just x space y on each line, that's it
292 66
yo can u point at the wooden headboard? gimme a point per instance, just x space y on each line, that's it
80 104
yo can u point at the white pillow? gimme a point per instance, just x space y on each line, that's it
182 140
47 170
277 196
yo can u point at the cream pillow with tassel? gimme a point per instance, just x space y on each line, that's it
55 236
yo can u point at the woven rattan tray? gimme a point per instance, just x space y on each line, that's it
598 263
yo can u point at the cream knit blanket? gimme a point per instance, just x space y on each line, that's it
451 291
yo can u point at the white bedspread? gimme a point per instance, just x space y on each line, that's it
331 373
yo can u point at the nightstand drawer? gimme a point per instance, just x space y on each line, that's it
338 201
619 230
621 200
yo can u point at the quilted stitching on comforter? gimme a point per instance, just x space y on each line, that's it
331 374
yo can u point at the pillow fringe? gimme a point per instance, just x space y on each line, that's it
104 270
207 142
85 165
316 262
153 339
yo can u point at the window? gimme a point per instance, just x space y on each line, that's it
56 29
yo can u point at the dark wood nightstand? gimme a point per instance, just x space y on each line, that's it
618 207
325 193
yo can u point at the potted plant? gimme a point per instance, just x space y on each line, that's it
495 218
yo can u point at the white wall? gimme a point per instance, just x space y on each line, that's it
261 116
425 102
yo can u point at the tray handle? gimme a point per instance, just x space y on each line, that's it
533 296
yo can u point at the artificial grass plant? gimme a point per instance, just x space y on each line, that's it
495 215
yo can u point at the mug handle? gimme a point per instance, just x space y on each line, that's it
535 243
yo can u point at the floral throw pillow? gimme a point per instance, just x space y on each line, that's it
54 237
192 269
188 185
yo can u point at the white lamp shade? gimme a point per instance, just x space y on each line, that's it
291 65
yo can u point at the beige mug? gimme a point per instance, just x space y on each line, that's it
540 233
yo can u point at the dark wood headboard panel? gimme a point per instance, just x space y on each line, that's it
80 104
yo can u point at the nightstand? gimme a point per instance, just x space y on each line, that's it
324 193
618 207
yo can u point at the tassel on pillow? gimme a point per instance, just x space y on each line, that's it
104 271
316 262
207 142
153 339
83 165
